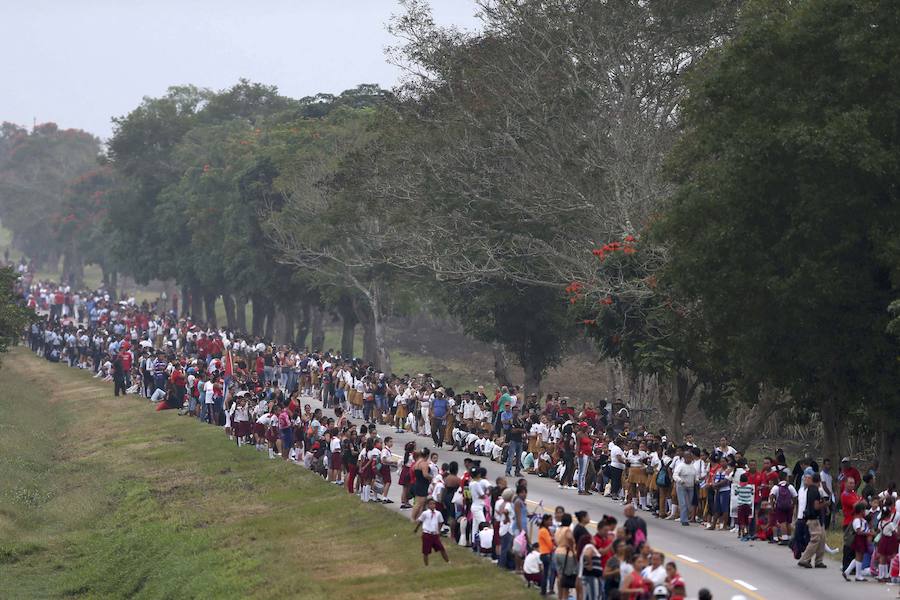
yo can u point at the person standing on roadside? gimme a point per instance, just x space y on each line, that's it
849 499
514 430
585 447
685 476
438 417
813 513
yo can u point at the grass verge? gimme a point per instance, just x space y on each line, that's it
104 498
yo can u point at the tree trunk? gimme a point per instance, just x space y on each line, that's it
348 336
364 315
888 453
382 357
673 405
113 285
501 365
833 430
750 426
303 326
196 305
183 301
240 313
230 317
73 268
209 301
317 317
348 327
533 377
270 320
258 315
289 326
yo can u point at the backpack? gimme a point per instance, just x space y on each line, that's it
783 501
662 478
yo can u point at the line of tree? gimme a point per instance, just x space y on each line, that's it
704 188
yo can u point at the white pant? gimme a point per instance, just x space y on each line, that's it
426 423
477 519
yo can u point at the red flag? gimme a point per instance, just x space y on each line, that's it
229 367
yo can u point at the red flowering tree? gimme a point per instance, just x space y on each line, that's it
636 320
78 224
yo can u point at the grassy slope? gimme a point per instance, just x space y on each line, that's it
103 497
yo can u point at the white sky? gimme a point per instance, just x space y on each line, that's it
80 62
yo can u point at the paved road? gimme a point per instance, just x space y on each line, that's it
714 560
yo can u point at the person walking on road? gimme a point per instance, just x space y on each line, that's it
685 476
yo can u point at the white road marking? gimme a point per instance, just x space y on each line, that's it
687 558
743 583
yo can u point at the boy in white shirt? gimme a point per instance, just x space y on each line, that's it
531 567
430 521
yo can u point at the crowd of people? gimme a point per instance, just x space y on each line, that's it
259 394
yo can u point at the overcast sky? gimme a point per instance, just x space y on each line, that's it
80 62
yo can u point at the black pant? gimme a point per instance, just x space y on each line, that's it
119 384
437 430
615 480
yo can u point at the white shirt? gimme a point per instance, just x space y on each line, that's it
431 521
502 515
532 564
468 410
208 390
657 575
486 538
479 490
616 456
541 430
685 474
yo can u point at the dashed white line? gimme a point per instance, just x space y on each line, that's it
743 583
687 558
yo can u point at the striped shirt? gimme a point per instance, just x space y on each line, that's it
743 493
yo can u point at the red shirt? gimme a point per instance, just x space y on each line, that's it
125 357
848 501
585 445
758 481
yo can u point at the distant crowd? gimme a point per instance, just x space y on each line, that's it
260 394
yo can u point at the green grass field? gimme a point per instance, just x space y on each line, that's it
105 498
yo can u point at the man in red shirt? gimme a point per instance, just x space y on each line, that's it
202 347
849 499
126 358
757 479
848 471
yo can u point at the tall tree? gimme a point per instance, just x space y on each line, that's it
785 223
35 169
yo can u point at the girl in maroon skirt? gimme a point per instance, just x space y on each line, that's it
335 462
387 459
350 446
862 533
405 478
367 460
887 544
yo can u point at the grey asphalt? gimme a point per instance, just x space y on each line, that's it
715 560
